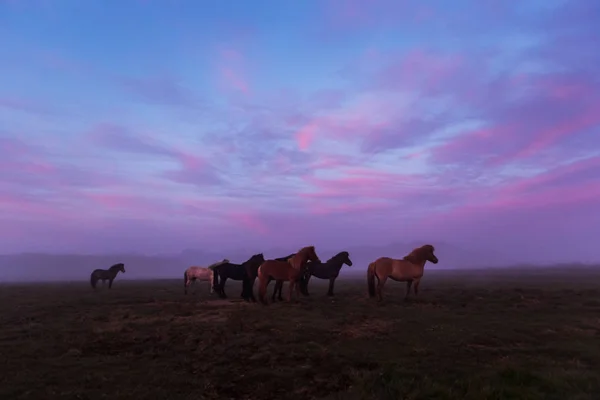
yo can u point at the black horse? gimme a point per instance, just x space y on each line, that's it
245 272
328 270
279 284
106 274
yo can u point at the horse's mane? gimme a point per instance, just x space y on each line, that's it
253 257
117 265
214 265
419 254
301 252
338 255
307 248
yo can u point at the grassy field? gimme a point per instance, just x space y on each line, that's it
497 335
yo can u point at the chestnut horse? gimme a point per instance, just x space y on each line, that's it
279 284
194 273
291 270
410 269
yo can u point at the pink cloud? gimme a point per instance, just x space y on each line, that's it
194 169
232 68
305 136
250 221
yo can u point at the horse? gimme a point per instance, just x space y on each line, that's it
291 270
106 274
410 269
201 274
327 270
238 272
279 284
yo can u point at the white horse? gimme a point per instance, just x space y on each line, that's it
201 274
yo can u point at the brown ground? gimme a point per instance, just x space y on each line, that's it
516 335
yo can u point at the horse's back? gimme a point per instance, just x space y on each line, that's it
393 268
402 270
198 272
322 271
232 271
275 268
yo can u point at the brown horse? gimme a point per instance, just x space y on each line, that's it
291 270
410 269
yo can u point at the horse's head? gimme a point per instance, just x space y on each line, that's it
119 267
422 254
345 256
308 253
256 259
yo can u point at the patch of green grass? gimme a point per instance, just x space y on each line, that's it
505 335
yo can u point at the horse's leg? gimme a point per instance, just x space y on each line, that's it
110 283
380 284
417 282
291 290
274 290
246 289
331 284
222 287
306 285
280 289
298 289
408 285
251 289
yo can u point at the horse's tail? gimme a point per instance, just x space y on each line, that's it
371 279
215 277
185 281
93 280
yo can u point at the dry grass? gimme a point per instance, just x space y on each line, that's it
515 335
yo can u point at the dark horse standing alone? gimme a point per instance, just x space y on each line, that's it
327 270
245 272
106 274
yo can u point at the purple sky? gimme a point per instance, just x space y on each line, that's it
154 126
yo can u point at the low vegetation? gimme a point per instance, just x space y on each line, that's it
518 334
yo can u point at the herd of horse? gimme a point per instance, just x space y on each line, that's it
297 269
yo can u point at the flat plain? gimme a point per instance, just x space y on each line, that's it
499 334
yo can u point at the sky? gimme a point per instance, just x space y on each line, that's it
155 126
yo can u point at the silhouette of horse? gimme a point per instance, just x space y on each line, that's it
106 274
194 273
327 270
410 269
291 270
238 272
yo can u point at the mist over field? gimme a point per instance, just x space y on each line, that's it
61 267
